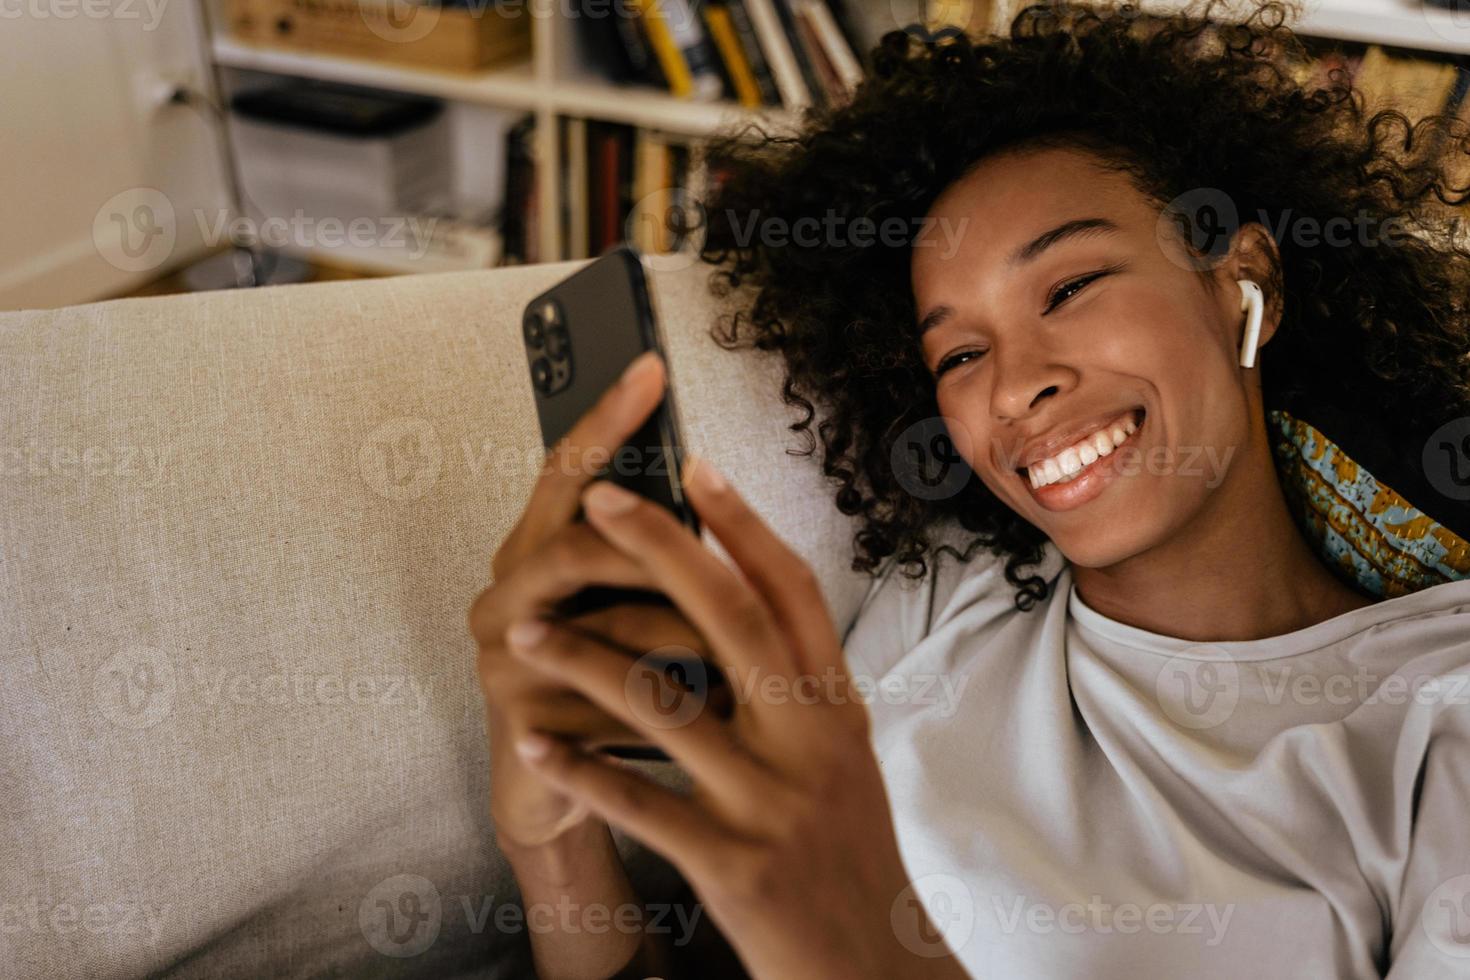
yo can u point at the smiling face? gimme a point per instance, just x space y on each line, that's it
1059 324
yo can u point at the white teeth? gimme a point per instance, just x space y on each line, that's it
1068 463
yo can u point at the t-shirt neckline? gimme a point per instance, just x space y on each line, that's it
1442 596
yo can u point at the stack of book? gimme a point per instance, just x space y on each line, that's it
791 53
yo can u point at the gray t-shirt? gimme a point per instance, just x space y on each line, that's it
1076 797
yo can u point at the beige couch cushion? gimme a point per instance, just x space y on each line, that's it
239 535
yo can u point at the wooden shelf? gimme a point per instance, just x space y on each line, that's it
512 87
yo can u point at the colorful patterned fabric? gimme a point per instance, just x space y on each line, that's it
1361 526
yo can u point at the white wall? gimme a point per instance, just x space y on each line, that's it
80 123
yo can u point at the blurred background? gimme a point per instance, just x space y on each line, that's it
156 146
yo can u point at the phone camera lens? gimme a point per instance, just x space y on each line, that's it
535 330
557 342
541 374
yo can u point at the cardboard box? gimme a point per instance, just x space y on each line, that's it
395 31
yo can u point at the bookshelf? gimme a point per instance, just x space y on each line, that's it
554 84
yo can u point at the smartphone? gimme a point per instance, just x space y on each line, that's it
579 336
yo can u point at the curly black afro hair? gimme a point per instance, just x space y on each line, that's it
1207 97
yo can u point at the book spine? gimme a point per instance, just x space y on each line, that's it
727 42
699 54
751 45
665 49
839 51
794 92
803 59
832 88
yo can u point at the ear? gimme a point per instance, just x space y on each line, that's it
1254 255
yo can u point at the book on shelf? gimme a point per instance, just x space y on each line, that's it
517 216
791 53
620 183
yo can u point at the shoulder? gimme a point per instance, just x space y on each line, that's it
899 612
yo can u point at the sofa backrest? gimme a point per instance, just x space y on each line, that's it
239 535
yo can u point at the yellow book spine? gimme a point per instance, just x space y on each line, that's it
670 58
728 43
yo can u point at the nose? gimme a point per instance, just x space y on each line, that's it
1025 376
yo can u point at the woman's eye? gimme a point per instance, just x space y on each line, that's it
1071 288
955 360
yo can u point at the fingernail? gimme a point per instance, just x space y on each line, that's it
533 746
704 472
608 498
526 633
638 367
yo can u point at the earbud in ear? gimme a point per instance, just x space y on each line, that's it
1254 303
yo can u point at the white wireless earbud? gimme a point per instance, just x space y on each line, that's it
1253 301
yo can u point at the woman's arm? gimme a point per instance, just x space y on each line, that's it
563 880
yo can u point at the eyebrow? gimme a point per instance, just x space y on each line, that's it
1076 228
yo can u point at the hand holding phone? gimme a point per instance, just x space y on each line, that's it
580 336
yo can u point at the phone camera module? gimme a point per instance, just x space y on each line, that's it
541 375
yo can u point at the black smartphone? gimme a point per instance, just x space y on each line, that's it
579 336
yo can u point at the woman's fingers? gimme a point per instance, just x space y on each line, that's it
781 577
578 457
639 627
571 559
671 709
721 605
675 826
